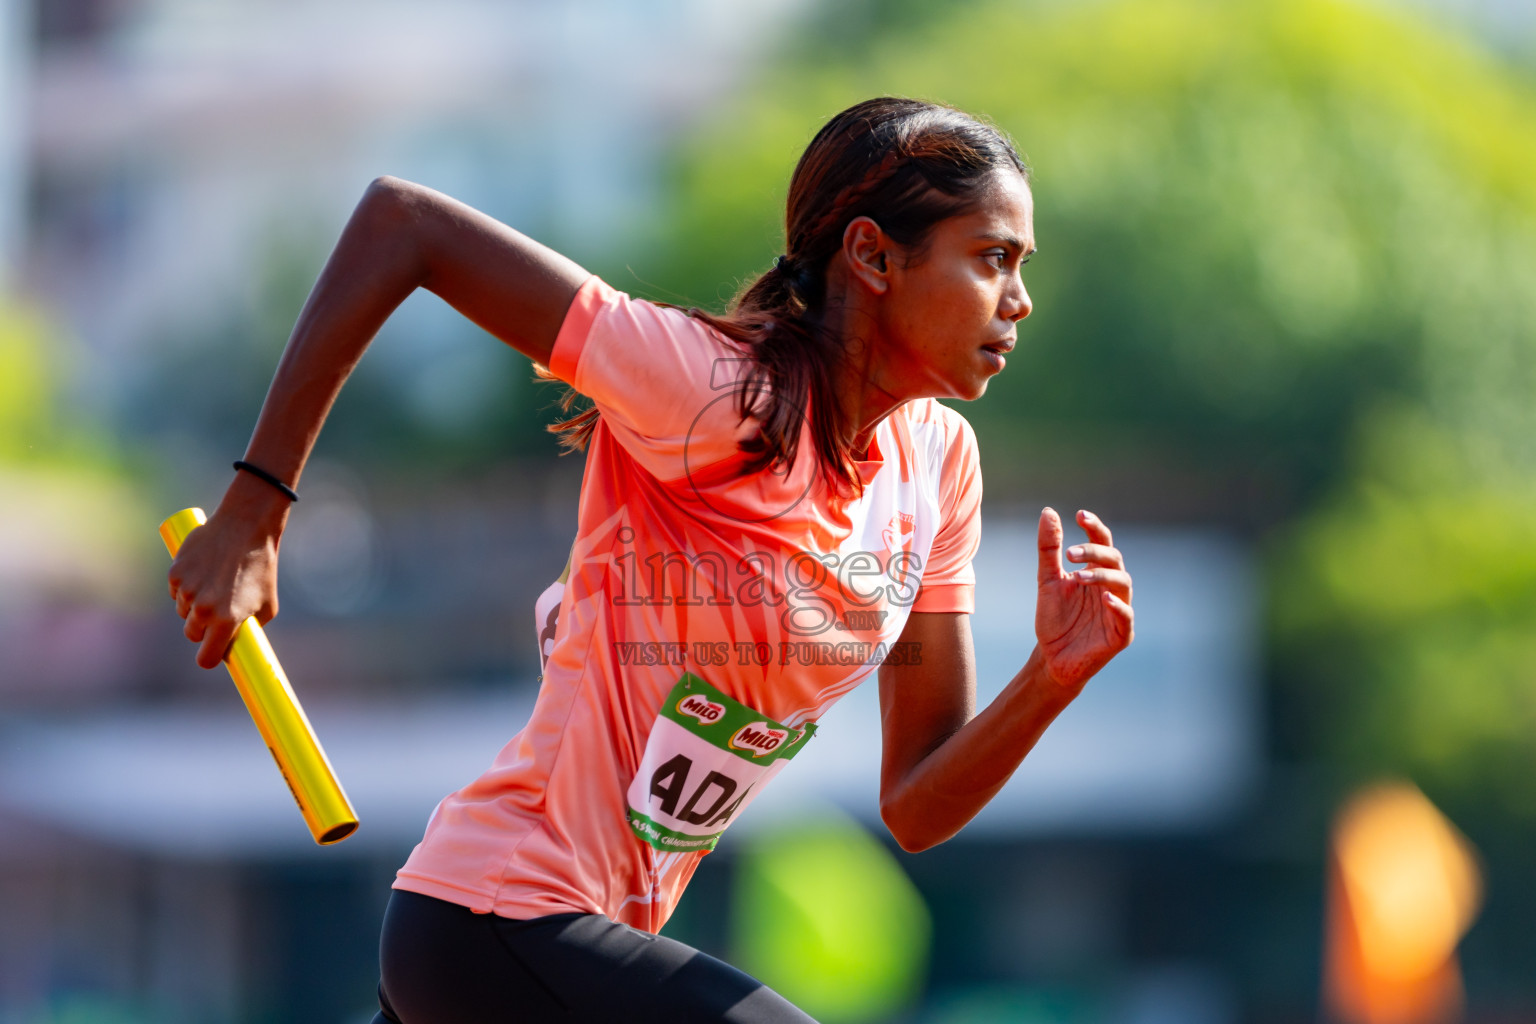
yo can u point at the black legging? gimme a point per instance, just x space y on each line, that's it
444 964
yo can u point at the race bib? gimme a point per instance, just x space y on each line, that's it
707 758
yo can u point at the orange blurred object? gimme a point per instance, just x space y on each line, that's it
1403 888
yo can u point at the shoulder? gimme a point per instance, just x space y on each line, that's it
645 314
940 429
664 382
640 342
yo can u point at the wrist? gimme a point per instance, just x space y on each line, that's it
241 466
255 503
1046 686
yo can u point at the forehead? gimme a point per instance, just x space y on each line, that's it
1006 210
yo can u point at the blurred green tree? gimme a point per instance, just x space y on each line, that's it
1404 621
32 361
72 526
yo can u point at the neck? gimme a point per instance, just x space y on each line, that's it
865 401
865 384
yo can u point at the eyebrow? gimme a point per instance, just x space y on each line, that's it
1008 240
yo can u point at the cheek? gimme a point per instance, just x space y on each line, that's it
959 302
950 313
967 310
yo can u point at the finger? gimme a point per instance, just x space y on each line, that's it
1116 581
1096 554
1124 616
183 603
197 625
266 613
216 642
1050 546
1095 528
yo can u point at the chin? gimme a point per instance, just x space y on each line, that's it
964 384
971 390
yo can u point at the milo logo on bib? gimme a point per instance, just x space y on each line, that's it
707 757
759 738
701 708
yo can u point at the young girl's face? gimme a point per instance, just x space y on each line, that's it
952 310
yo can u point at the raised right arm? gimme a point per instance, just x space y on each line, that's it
399 238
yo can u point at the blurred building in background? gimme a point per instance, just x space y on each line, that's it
172 174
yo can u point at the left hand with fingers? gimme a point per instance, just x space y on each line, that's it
1082 618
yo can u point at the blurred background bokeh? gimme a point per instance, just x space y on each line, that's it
1284 338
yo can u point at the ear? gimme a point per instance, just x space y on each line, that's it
868 249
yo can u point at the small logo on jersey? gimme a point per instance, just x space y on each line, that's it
702 708
759 738
898 532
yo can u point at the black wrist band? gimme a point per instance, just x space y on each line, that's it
292 494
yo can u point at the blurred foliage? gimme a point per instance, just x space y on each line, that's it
825 916
1254 219
72 527
1405 620
38 422
25 383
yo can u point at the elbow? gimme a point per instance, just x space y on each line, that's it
395 206
907 828
913 845
385 198
385 185
390 222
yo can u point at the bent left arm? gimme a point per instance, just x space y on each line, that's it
941 761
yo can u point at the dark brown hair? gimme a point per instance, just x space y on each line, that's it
905 164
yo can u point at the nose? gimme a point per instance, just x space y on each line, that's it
1016 304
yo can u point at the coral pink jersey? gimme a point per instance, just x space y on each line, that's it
707 618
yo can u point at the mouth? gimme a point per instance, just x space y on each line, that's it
996 351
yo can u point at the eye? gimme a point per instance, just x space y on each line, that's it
997 257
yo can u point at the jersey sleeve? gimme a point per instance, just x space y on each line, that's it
664 382
949 581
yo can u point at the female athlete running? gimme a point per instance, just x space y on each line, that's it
774 506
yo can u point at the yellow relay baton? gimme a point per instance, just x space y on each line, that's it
270 700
